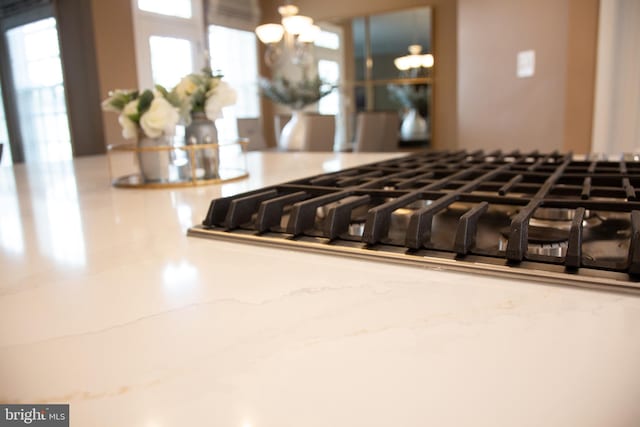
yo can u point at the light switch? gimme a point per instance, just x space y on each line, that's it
526 63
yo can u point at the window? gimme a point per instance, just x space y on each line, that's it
329 71
329 55
171 60
169 47
37 76
168 42
328 40
177 8
234 53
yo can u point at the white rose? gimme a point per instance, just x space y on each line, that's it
162 117
221 96
129 127
185 88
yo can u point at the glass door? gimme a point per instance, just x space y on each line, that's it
39 87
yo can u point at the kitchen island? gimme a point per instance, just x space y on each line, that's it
107 305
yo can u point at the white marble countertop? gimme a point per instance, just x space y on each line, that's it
105 304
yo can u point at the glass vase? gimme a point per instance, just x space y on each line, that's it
293 133
414 126
201 130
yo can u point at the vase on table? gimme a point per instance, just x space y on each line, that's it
201 130
154 161
414 126
293 133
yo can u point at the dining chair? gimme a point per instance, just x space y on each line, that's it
377 131
320 132
250 128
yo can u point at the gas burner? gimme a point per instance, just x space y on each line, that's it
512 213
557 249
557 214
547 235
356 229
562 218
545 241
552 249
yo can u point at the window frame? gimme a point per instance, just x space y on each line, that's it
147 24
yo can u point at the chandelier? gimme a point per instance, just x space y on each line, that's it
415 60
298 32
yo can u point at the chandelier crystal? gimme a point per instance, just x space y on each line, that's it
415 60
296 31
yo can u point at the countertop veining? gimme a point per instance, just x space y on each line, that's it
105 304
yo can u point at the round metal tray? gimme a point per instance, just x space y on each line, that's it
190 175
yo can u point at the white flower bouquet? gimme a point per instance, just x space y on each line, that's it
204 92
153 112
157 112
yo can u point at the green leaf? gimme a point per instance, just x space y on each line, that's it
162 90
296 95
145 101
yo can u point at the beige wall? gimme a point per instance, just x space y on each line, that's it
551 110
478 101
115 55
581 75
444 50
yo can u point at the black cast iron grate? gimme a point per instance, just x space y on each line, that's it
462 207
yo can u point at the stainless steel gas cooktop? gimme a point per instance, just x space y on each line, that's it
537 216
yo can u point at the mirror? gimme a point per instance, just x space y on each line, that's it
372 46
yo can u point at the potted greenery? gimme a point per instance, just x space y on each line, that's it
414 99
297 95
